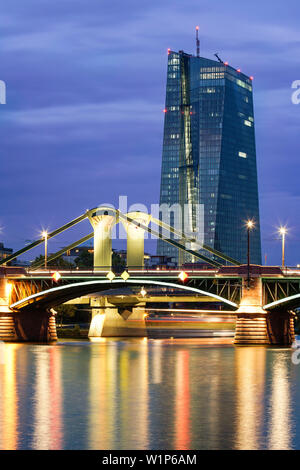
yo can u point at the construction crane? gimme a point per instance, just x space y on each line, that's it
220 60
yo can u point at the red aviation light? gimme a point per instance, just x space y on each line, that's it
183 276
56 276
169 51
251 78
226 63
165 110
239 70
197 28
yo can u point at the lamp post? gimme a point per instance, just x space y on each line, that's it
250 225
283 232
45 236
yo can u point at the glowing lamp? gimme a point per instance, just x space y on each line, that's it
56 276
8 289
143 292
283 230
110 275
125 275
250 224
183 276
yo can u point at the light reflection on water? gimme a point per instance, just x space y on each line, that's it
148 394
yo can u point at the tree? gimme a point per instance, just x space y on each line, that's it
118 263
66 312
85 260
56 263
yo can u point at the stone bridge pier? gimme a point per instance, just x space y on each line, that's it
109 320
31 325
254 325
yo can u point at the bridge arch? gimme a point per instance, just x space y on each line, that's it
287 302
61 294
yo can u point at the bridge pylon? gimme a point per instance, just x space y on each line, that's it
136 238
103 220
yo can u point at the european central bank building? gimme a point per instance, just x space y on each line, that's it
209 153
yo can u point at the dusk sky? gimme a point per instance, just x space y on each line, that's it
83 122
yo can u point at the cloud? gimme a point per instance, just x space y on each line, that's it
86 89
88 113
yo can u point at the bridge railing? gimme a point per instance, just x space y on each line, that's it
99 270
136 271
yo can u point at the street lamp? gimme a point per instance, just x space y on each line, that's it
250 226
283 232
143 292
45 236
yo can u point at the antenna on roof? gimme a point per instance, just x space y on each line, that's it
197 41
217 56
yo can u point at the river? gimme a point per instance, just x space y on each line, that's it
149 394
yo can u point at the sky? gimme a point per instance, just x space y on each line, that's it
83 119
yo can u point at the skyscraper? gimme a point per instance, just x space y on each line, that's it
209 154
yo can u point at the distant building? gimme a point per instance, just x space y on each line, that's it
197 266
158 262
72 254
5 252
150 261
209 154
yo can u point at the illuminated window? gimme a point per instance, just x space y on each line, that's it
242 155
248 123
244 85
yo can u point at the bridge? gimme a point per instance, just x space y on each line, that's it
263 299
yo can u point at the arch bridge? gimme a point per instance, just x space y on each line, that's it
263 304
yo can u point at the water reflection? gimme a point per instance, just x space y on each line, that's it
118 398
148 394
250 387
280 434
9 400
47 400
134 397
182 415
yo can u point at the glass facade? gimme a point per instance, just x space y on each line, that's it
209 154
